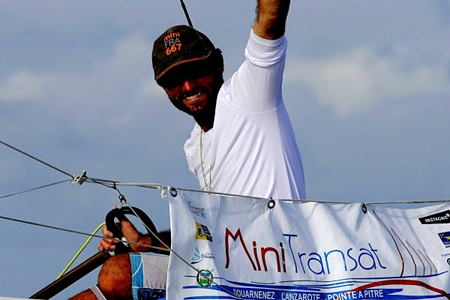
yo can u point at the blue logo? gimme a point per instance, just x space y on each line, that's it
197 256
445 238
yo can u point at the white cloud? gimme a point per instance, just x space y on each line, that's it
105 91
24 86
360 79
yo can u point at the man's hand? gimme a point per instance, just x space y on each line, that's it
271 18
130 233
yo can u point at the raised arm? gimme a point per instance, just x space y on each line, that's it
271 18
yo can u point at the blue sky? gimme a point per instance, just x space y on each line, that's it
367 86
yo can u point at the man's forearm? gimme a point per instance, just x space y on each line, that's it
271 18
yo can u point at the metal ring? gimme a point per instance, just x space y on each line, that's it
271 204
364 208
173 192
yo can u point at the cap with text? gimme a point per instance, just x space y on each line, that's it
178 45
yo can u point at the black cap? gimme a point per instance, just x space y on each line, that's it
177 45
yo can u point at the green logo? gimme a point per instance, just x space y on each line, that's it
204 278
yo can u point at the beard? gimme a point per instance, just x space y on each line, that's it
205 110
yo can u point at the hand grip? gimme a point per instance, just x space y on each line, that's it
120 213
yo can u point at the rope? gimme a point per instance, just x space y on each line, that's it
207 187
81 249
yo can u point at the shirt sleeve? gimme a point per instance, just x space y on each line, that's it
256 85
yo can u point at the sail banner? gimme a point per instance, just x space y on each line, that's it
228 247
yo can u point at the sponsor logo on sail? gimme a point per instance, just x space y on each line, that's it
439 218
445 238
202 232
205 278
198 256
197 210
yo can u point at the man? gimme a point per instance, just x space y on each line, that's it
242 142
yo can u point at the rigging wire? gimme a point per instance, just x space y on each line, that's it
74 179
186 13
74 231
91 235
33 189
114 184
36 159
239 197
110 184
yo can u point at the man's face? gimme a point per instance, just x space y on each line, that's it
193 87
